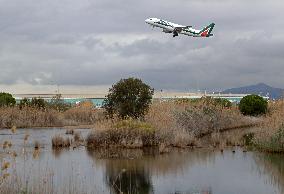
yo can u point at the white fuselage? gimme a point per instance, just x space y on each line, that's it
169 27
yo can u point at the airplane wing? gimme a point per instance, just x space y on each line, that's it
179 29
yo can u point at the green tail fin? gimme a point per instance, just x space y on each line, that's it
206 32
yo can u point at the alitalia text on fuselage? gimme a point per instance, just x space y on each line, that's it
176 29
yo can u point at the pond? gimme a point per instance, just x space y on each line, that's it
181 171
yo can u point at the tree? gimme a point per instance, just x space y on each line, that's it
24 103
223 102
58 103
253 105
38 103
128 98
6 99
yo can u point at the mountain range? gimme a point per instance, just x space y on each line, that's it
259 89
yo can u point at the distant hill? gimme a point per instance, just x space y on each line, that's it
261 88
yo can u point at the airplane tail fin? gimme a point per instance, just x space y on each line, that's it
206 32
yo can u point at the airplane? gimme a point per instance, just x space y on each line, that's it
176 29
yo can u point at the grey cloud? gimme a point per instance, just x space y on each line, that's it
98 42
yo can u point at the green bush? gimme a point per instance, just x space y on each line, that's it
253 105
128 98
223 102
206 100
58 103
38 103
7 99
24 103
248 138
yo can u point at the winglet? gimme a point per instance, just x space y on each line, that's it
206 32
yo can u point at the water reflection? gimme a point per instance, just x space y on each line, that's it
132 171
132 181
59 151
123 173
139 171
273 165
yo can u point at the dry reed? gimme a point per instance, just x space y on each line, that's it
26 117
78 137
126 133
61 142
171 123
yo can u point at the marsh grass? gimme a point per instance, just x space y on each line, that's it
28 117
273 143
269 136
78 137
27 180
61 142
25 117
202 119
125 133
179 124
83 115
272 121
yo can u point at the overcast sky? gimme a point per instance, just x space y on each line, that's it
96 42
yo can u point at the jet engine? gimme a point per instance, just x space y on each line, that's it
167 31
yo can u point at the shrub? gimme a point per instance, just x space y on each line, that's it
126 133
83 115
60 142
253 105
78 137
38 103
248 138
274 143
24 103
7 99
223 102
58 103
202 119
128 98
206 100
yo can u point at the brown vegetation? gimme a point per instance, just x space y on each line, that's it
273 120
178 124
82 115
269 135
78 137
126 133
32 117
61 142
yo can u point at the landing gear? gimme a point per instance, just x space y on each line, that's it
175 34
